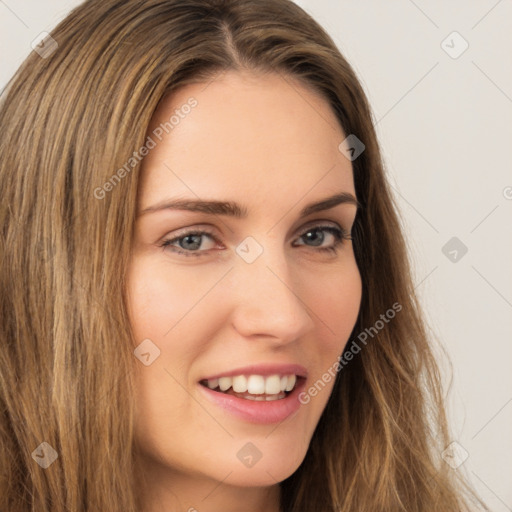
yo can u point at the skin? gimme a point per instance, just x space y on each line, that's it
271 145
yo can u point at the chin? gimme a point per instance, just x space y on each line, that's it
261 476
273 467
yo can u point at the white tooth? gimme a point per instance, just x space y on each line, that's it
272 397
213 383
256 384
284 381
240 384
291 382
273 385
255 398
225 383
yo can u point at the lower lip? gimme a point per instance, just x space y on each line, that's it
274 411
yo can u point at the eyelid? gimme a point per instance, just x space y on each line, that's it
335 229
167 240
190 230
315 223
319 222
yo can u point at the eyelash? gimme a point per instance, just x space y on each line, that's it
338 233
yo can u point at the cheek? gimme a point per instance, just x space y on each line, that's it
158 299
162 300
336 298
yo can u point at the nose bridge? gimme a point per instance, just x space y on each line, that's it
268 301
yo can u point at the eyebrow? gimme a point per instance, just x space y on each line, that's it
233 209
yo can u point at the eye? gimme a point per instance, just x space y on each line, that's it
338 234
190 243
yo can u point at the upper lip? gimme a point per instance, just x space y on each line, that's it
264 370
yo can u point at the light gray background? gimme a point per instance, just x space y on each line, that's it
445 126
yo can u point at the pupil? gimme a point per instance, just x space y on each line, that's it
196 244
312 238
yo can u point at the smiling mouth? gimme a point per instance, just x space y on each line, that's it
254 387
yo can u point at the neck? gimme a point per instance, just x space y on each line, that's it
163 489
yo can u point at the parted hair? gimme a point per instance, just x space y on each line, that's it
69 119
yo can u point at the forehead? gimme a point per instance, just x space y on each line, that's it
247 135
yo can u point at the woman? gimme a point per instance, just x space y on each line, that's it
206 302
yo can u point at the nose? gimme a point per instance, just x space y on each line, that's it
268 300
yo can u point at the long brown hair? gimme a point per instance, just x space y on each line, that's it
70 119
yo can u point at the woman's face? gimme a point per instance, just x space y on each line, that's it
253 297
